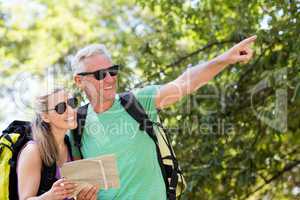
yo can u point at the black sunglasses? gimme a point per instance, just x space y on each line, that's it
101 74
60 108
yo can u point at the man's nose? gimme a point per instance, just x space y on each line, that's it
108 77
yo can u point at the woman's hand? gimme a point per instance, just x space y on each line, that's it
88 193
61 189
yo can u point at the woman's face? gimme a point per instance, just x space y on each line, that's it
60 113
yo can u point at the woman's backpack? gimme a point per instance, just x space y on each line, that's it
12 140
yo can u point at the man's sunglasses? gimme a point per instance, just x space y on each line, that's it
101 74
60 108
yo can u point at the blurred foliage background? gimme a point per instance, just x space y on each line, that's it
238 137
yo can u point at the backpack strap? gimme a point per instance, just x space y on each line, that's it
18 126
175 171
77 132
67 142
137 112
48 174
47 178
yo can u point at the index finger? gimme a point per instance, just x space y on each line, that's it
247 41
59 181
69 185
63 181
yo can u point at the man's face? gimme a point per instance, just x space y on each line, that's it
105 89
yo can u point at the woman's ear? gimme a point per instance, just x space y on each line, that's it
45 117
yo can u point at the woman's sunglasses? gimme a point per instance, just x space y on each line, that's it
60 108
101 74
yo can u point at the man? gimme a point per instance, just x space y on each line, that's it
110 130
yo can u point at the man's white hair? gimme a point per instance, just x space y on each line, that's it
85 52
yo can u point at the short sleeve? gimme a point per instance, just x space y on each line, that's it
146 97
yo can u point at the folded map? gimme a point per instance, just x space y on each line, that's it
100 171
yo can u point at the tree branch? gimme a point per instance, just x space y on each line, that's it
210 45
183 58
287 168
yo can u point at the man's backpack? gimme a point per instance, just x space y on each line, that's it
172 174
12 140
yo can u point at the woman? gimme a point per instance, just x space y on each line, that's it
55 114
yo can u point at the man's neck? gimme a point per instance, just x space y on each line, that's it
100 107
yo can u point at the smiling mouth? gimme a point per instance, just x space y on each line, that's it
108 88
70 119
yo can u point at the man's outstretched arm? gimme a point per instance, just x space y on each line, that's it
197 76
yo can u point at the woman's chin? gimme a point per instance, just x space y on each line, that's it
72 125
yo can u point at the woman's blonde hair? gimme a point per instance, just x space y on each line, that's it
41 130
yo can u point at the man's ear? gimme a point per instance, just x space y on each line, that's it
45 117
78 81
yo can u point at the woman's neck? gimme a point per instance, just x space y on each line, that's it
59 136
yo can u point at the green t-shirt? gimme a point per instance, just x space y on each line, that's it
116 132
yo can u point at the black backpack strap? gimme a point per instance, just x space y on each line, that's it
67 142
48 174
137 112
77 132
47 178
18 126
